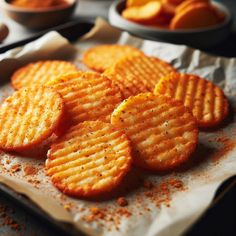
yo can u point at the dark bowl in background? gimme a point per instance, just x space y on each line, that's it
199 38
39 18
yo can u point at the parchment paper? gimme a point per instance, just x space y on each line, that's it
157 209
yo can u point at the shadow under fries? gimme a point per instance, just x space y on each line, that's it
201 155
131 183
135 179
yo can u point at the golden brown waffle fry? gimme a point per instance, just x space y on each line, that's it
143 14
128 84
39 73
87 96
102 57
162 131
138 73
28 117
206 101
90 159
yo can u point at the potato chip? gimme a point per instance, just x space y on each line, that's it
39 73
90 159
196 15
87 96
29 117
138 73
101 57
128 84
168 8
143 14
162 131
206 101
133 3
188 3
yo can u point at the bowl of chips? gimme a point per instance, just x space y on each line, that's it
197 23
38 14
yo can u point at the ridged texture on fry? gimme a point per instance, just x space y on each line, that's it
87 96
90 159
39 73
28 117
206 101
138 73
101 57
162 131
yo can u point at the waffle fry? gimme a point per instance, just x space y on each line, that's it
128 84
206 101
101 57
138 73
39 73
87 96
90 159
143 14
162 131
29 117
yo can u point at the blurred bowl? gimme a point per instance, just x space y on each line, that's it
39 18
198 38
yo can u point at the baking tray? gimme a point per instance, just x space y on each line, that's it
72 31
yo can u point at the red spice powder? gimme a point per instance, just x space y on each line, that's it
34 182
95 214
124 212
67 206
30 170
162 193
227 146
122 201
176 183
159 194
15 168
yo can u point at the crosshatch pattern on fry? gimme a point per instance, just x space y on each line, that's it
39 73
101 57
91 158
162 131
206 100
29 116
138 73
87 96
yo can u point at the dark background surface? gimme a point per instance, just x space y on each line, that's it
219 220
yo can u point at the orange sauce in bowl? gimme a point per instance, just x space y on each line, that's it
38 4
